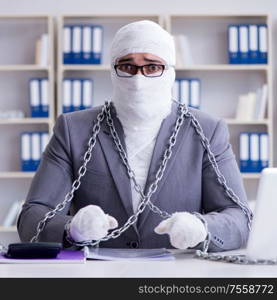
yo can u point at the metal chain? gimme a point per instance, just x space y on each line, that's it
145 199
76 184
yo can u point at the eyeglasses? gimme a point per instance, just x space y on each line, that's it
150 70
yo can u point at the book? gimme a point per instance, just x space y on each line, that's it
129 254
64 257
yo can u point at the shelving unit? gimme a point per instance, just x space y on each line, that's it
18 36
208 40
99 73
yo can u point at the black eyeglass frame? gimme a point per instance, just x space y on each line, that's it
165 67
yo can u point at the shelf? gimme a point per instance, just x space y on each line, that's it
8 229
85 67
25 121
223 67
251 175
23 68
6 175
243 122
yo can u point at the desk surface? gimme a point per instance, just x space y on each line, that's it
185 265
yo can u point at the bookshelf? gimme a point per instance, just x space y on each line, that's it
18 36
98 73
221 82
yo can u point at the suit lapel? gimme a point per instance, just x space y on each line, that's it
162 141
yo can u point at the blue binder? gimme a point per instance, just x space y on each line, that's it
233 44
76 44
244 151
254 152
34 96
243 44
87 91
253 44
97 44
25 152
264 150
195 93
44 98
67 95
86 52
67 44
263 48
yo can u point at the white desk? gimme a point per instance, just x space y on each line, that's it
185 265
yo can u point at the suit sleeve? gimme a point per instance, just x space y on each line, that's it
227 223
49 186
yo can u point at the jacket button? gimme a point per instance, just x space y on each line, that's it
133 244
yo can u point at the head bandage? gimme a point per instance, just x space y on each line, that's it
143 37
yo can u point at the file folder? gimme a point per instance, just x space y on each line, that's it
253 44
233 41
194 93
87 94
243 44
87 57
35 98
35 150
26 152
264 151
244 152
67 44
44 98
76 44
185 91
262 44
97 41
76 94
67 93
254 152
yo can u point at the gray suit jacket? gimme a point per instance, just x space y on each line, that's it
189 183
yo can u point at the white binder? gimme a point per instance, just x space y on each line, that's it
87 43
264 150
35 142
76 94
26 147
184 92
87 93
67 102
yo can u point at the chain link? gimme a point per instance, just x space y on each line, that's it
145 199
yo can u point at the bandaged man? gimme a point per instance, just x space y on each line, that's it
144 117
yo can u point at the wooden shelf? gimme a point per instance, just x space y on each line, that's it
251 175
8 229
25 121
9 68
85 68
223 67
243 122
15 175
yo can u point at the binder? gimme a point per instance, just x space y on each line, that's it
244 152
176 90
34 97
76 94
76 44
35 150
194 93
67 44
87 57
233 42
97 44
185 91
253 44
87 94
44 105
264 151
44 50
254 152
262 44
44 139
243 44
67 96
26 152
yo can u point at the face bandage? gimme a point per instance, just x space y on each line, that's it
143 102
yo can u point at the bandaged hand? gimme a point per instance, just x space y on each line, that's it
91 223
184 229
